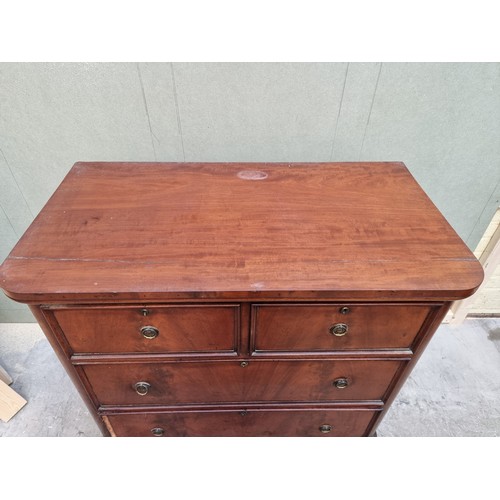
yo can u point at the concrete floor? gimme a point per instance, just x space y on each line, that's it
453 391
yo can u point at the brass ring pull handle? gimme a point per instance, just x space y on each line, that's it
142 388
339 329
325 429
149 332
341 383
158 431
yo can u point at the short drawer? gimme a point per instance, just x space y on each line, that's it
229 381
168 329
335 327
245 422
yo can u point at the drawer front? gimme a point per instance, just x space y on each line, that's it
176 329
224 382
335 327
243 422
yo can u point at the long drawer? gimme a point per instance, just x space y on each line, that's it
235 381
169 329
333 327
244 422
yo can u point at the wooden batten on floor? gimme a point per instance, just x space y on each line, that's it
10 402
4 376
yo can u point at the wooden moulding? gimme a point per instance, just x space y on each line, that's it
113 232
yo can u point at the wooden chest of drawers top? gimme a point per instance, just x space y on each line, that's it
239 299
132 232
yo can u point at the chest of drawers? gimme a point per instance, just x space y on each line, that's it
239 299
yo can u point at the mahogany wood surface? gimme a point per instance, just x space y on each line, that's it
181 328
307 327
137 231
245 422
243 269
228 381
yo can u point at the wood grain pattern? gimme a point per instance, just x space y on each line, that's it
4 376
228 382
245 422
306 328
181 329
137 231
10 402
243 268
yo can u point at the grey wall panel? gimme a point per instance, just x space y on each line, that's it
10 311
259 112
12 201
52 115
357 100
485 216
162 110
442 120
8 236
